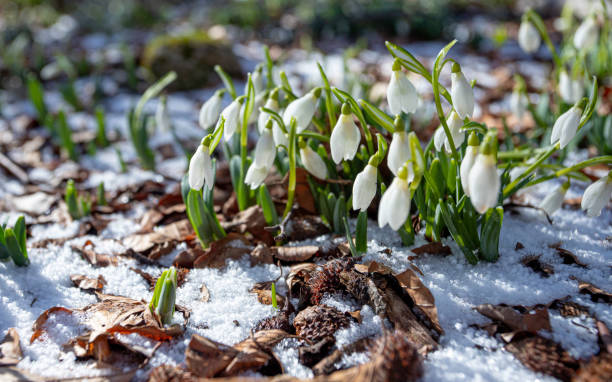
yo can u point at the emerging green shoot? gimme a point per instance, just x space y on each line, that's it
164 296
13 243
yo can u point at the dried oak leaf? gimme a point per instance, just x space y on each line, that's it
171 233
10 349
595 292
544 356
233 246
516 321
96 259
604 337
435 248
88 284
295 254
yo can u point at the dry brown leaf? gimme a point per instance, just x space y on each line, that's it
173 232
533 262
516 321
88 284
94 258
250 220
10 348
568 256
204 293
233 246
435 248
34 204
264 293
544 356
605 338
295 254
597 369
421 295
595 292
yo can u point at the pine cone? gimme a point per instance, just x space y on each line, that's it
280 321
395 358
327 280
544 356
319 321
599 369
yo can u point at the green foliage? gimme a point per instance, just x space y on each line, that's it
13 243
65 135
78 206
164 296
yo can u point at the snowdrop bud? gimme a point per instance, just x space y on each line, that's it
401 93
468 161
483 180
586 35
232 118
454 125
209 113
553 201
312 161
200 167
302 109
528 37
265 150
597 195
439 138
565 126
364 187
399 151
257 79
256 175
394 206
345 137
161 115
272 104
518 102
462 93
570 89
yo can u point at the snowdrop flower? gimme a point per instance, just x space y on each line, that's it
280 138
211 109
528 37
399 151
255 176
364 187
570 90
200 167
553 201
483 180
401 94
454 124
518 102
565 126
302 109
272 104
439 138
232 118
345 137
265 152
394 206
257 79
312 161
462 93
597 195
468 161
161 115
586 35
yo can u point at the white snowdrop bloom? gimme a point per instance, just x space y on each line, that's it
439 138
399 151
565 126
209 113
586 35
364 188
232 119
302 109
401 93
483 182
553 201
280 138
258 81
597 195
518 103
256 175
528 37
262 119
201 168
454 125
570 90
161 116
345 137
253 117
462 93
394 206
312 162
468 162
265 150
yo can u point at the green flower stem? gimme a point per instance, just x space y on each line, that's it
442 117
292 171
311 134
545 155
606 159
518 154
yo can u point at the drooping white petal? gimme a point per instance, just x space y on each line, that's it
484 183
466 165
570 90
565 127
161 116
302 109
256 175
528 37
439 138
399 151
394 205
232 119
364 188
313 163
462 95
454 125
586 35
553 201
557 127
280 138
262 119
209 113
265 150
345 138
200 169
401 94
596 196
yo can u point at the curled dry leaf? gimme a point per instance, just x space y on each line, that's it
264 293
435 248
88 284
96 259
34 204
171 233
596 293
533 262
543 356
516 321
421 295
233 246
250 220
10 348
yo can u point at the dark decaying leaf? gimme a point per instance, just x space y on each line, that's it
250 220
543 356
569 308
319 321
515 321
569 257
169 235
420 294
233 246
10 348
88 284
435 248
89 253
597 369
596 293
312 354
604 337
533 262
